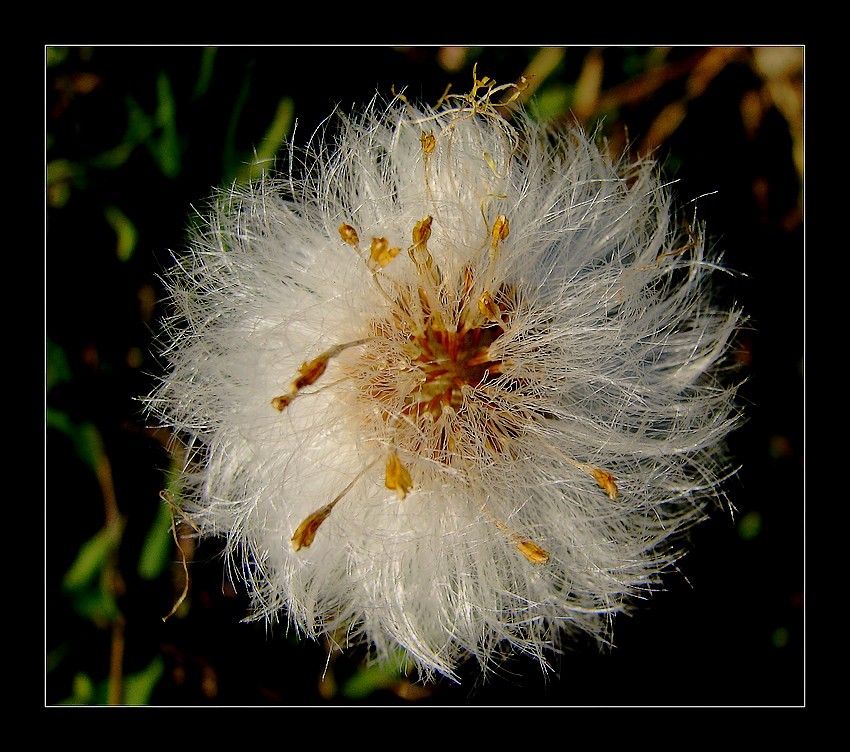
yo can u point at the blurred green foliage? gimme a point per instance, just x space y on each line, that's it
89 176
138 687
158 548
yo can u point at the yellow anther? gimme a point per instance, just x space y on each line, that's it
306 531
397 477
348 234
489 308
380 252
501 229
422 232
311 372
282 402
606 482
419 252
531 551
429 143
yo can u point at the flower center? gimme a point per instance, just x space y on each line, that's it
449 360
420 363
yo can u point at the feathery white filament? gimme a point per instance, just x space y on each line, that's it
451 384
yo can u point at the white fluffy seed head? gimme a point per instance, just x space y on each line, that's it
449 384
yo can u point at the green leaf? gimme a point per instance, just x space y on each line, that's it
139 687
552 101
139 128
61 174
96 604
749 525
56 656
271 143
60 170
158 546
83 691
381 675
58 367
56 55
124 229
780 637
167 148
205 73
92 557
230 161
140 125
86 437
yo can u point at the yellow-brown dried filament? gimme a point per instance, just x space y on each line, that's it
606 482
531 551
306 531
397 477
349 234
380 252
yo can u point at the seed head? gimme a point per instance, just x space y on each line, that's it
449 384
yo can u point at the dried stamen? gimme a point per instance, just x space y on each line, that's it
310 373
349 234
429 143
531 551
489 308
501 229
527 547
282 402
419 250
454 351
380 253
397 477
306 531
606 482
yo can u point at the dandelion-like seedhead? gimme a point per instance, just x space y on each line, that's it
450 384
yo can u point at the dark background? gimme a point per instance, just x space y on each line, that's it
135 136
